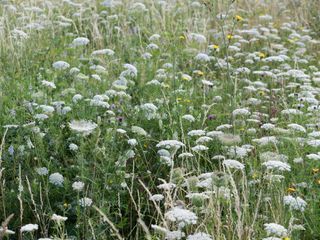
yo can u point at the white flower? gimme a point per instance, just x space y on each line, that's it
203 139
82 126
139 130
42 171
56 179
108 52
73 147
60 65
230 163
166 186
202 57
314 143
188 117
297 127
275 229
76 98
197 37
199 148
78 186
80 41
170 144
156 197
277 165
48 84
181 216
199 236
186 155
131 71
174 235
313 156
197 133
295 203
85 202
266 140
241 112
58 218
268 126
133 142
29 228
150 110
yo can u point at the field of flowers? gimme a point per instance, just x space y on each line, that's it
159 119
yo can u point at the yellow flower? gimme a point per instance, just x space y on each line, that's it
291 190
187 100
65 205
182 37
214 46
315 170
165 85
198 72
229 36
262 55
318 181
286 238
179 99
255 175
238 18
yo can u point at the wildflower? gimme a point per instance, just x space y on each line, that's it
188 117
29 228
186 77
78 186
229 36
181 216
295 203
80 41
156 197
238 18
199 132
48 84
58 218
241 112
199 236
150 110
199 148
275 229
42 171
73 147
291 190
56 179
262 55
277 165
132 142
170 144
83 126
60 65
108 52
233 164
85 202
214 47
139 130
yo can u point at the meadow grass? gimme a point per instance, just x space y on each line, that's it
173 119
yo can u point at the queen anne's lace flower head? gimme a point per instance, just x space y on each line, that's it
181 216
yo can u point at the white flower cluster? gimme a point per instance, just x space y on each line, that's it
277 165
275 229
182 217
295 203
